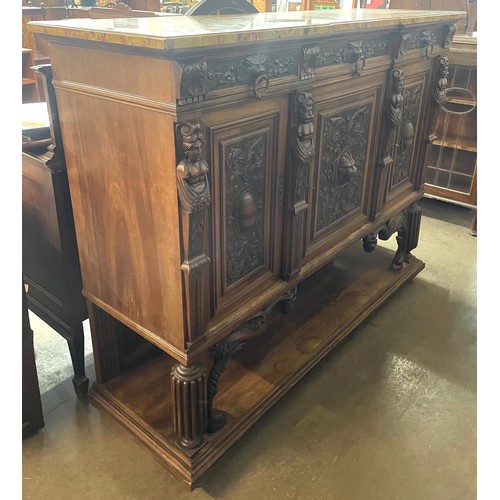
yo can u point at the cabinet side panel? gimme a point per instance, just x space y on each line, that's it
121 168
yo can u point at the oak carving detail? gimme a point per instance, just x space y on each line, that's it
194 81
407 226
342 160
403 156
192 170
245 166
394 110
222 351
302 148
237 71
439 90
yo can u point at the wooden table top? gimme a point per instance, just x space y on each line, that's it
181 32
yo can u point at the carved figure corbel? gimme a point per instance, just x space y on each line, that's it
192 179
193 189
394 111
302 152
303 143
439 92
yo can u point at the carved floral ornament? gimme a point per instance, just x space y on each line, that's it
330 53
199 77
411 40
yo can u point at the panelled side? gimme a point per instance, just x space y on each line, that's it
122 172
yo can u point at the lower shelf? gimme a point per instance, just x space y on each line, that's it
330 305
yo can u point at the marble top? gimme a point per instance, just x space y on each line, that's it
182 32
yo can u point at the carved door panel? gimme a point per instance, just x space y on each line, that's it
247 154
340 184
404 171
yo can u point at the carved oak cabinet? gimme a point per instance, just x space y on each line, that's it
215 164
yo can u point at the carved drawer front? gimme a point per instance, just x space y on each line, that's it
247 157
344 163
408 135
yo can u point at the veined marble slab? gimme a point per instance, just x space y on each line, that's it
182 32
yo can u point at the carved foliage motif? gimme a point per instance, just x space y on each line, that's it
345 142
245 189
330 53
402 160
192 171
196 232
303 149
223 73
309 61
411 40
194 80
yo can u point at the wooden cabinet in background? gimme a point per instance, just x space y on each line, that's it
452 156
32 412
50 264
254 169
29 80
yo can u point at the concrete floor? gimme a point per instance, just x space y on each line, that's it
389 415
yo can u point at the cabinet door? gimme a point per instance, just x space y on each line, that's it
247 158
408 148
347 123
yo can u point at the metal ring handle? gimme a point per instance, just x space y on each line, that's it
453 112
429 49
259 94
359 65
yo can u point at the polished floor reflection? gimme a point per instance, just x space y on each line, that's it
390 414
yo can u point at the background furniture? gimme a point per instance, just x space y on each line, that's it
32 412
452 157
29 82
216 7
320 5
251 157
51 269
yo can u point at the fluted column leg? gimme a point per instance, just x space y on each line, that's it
189 400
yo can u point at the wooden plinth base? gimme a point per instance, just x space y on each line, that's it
330 305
